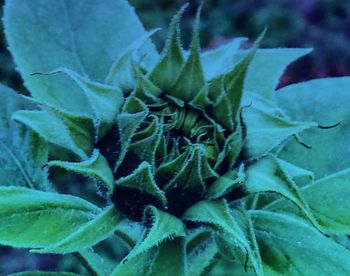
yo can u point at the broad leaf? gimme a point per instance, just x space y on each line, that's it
328 199
220 60
289 246
268 66
22 152
69 131
25 213
77 39
91 233
323 101
105 100
267 175
267 131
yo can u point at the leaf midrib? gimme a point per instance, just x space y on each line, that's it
72 38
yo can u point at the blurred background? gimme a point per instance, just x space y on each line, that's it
323 25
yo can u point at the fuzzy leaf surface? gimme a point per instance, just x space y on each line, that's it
326 102
22 152
328 199
266 131
96 230
262 81
96 166
69 131
25 213
220 60
168 258
231 230
77 39
289 246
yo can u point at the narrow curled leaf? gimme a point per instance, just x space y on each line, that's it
96 166
129 120
191 78
168 68
140 180
226 183
163 227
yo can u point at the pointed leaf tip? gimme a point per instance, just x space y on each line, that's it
191 79
165 72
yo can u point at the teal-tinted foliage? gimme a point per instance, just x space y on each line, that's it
200 166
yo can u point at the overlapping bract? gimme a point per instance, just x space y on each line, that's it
188 157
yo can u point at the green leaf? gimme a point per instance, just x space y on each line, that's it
145 142
289 246
22 152
171 258
201 257
96 166
226 183
94 262
91 233
141 179
25 213
166 71
163 227
104 100
322 101
299 175
267 131
41 41
267 175
193 173
328 199
262 81
191 79
220 60
229 226
234 80
69 131
168 258
121 72
129 120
